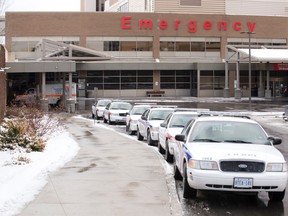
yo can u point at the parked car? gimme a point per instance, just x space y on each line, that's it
98 108
172 125
116 112
148 124
133 116
229 154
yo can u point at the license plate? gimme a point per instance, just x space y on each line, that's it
243 182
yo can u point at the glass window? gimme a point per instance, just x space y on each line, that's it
111 45
144 45
128 46
167 46
213 46
197 46
183 46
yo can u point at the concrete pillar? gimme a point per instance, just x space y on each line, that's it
267 90
70 106
238 93
261 91
226 92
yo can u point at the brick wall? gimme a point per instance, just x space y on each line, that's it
2 84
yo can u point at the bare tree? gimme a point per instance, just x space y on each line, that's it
3 8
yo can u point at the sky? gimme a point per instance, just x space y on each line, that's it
19 184
42 5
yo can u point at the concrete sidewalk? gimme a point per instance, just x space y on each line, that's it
111 175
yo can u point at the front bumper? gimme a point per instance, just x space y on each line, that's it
117 118
223 181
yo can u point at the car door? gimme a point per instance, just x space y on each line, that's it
106 111
163 130
142 121
178 148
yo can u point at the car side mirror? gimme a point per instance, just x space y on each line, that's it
180 137
163 125
275 140
143 118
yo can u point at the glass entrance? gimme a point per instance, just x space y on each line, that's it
279 88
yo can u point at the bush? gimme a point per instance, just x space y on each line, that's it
17 133
26 128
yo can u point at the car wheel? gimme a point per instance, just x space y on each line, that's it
139 136
188 192
97 117
160 148
168 156
149 140
104 120
176 172
128 129
109 122
276 196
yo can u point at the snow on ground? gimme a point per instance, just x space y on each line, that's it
19 184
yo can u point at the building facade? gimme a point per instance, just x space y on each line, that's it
129 54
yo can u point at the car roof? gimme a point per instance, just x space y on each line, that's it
162 108
226 118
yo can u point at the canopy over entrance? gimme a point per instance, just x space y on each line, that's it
259 54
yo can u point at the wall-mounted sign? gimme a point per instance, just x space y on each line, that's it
280 66
127 23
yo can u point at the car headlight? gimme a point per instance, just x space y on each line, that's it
203 165
276 167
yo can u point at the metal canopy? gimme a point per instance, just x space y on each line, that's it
53 50
259 54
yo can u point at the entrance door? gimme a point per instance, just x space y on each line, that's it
279 88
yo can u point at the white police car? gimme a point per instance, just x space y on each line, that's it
148 124
229 154
172 125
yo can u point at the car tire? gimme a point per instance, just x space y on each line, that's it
188 192
109 122
176 172
104 120
276 196
139 136
160 148
129 131
168 157
149 140
97 117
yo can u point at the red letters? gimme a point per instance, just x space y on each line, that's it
176 24
163 24
146 23
222 26
208 25
126 20
237 26
192 26
251 26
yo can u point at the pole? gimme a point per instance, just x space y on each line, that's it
250 88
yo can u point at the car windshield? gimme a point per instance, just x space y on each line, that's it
102 103
228 131
159 114
120 106
181 120
138 110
